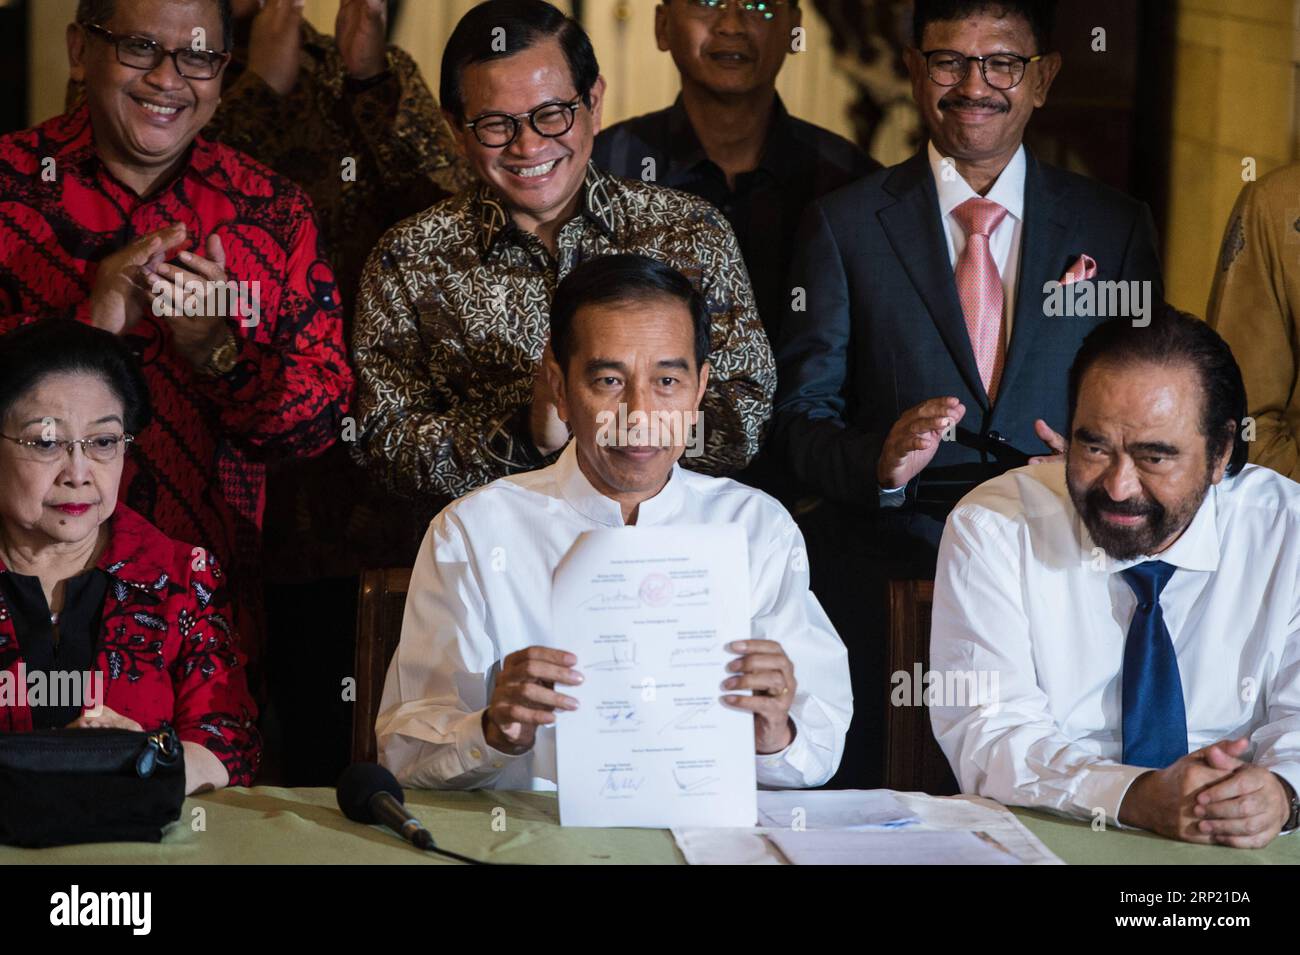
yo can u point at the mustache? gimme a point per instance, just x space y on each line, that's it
958 101
1098 500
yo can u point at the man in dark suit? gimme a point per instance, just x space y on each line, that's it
930 353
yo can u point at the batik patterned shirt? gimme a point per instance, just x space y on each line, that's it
368 154
165 653
198 471
453 319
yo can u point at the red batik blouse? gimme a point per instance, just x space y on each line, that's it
166 646
198 471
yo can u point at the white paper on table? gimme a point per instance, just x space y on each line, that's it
833 809
902 847
703 846
976 812
648 611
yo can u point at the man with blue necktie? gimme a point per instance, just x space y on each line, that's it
1131 614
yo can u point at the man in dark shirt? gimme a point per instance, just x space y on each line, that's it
729 139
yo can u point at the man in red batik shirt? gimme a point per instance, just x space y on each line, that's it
106 211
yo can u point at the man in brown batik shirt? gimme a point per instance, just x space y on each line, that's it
452 321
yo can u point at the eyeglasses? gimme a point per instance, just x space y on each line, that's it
499 130
1002 71
142 53
103 448
757 9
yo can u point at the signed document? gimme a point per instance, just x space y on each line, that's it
648 611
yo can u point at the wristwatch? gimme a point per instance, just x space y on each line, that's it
223 357
1293 820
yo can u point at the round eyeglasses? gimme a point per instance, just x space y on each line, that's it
1002 71
142 53
756 9
103 448
499 130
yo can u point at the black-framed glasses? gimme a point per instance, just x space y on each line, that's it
1002 71
103 448
499 130
757 9
142 53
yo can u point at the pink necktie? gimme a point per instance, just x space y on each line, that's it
979 287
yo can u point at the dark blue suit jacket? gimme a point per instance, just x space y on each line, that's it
883 329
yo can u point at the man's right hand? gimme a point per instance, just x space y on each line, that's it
275 44
524 697
914 440
1164 800
122 286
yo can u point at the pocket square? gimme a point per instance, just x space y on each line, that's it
1083 268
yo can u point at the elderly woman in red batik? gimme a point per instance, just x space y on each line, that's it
87 585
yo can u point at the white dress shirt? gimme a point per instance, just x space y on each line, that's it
1004 241
1022 593
480 590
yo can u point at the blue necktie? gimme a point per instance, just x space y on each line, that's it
1155 718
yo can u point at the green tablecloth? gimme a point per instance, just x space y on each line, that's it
270 825
1076 843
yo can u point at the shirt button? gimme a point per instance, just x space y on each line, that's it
476 753
496 765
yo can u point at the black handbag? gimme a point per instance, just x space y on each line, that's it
67 786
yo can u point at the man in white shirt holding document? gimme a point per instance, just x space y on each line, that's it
1137 606
473 691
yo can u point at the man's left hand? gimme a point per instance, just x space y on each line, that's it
361 32
195 336
764 669
1247 809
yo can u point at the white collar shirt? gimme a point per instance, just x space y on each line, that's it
1025 598
480 590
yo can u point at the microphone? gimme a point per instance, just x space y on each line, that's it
369 794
